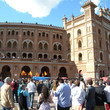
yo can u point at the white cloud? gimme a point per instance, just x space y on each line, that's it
37 8
97 2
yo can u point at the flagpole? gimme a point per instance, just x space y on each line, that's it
105 4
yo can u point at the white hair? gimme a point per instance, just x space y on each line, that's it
7 79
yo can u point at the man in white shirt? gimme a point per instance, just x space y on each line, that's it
107 91
31 89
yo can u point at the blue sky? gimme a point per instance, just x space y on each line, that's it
42 11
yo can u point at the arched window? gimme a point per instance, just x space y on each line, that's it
80 57
1 32
79 44
24 33
69 46
24 55
68 35
60 36
30 45
99 31
13 32
69 57
55 47
14 44
107 45
45 56
100 44
0 44
40 56
79 32
28 33
101 74
47 35
43 34
40 46
54 36
30 55
45 46
9 45
13 55
59 57
8 32
8 55
57 36
16 32
60 47
24 45
101 56
39 34
32 34
55 57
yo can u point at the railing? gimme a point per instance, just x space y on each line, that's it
36 60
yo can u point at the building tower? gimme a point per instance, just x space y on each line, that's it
86 33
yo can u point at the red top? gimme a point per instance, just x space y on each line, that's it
12 86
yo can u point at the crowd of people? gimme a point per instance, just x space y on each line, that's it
64 94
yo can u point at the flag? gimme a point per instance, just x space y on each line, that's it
30 73
42 74
37 74
106 106
45 73
23 73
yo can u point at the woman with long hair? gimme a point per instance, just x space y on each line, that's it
44 99
54 99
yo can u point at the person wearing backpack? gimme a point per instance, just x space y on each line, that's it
14 87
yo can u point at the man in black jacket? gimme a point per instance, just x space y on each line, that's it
100 97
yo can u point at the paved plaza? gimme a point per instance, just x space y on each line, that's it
35 104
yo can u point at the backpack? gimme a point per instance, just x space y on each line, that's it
15 85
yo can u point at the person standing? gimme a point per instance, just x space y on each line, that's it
99 97
39 87
90 96
14 87
23 98
78 96
6 96
44 99
107 91
54 99
63 93
31 89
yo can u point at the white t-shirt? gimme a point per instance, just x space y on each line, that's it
31 87
107 92
78 96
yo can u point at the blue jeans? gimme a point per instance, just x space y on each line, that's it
31 98
4 108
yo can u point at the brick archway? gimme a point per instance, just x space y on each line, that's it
5 72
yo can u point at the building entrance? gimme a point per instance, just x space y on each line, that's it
5 72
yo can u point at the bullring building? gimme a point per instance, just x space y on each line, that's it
82 47
34 48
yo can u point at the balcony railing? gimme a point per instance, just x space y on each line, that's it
36 60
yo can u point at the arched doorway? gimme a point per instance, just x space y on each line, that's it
5 72
45 72
62 72
25 72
